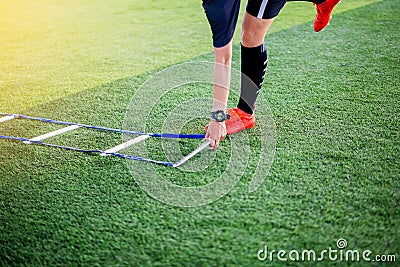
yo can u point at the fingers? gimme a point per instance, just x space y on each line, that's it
223 132
214 141
215 132
214 144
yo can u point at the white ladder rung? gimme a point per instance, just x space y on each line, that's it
205 144
127 144
7 118
54 133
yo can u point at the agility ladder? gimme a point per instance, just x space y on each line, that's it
70 126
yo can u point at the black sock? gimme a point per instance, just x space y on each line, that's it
312 1
254 65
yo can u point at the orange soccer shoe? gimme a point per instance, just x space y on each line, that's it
238 121
324 11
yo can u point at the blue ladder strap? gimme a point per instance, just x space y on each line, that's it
165 163
161 135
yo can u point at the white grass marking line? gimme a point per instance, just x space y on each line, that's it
205 144
7 118
54 133
127 144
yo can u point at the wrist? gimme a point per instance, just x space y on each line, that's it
220 115
218 107
215 121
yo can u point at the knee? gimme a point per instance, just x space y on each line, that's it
226 58
248 38
223 55
254 30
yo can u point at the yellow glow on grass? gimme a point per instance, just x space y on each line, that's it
51 49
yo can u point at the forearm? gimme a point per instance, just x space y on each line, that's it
222 76
221 86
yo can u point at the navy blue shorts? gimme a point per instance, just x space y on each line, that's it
265 9
223 15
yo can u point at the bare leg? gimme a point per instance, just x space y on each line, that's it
254 30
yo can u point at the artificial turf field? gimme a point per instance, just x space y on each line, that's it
334 97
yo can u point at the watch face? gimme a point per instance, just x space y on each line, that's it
220 116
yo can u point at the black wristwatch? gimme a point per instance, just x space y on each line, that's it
220 116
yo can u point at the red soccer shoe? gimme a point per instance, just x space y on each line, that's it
324 12
238 121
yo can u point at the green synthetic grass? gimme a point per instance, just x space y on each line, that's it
335 101
52 49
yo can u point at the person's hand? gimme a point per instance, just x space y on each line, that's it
216 132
